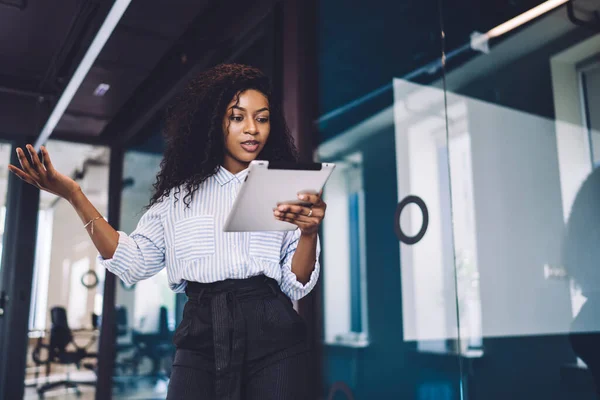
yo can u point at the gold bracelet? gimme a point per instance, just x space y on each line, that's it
91 222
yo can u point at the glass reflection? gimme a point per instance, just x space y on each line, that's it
521 148
68 282
388 136
145 311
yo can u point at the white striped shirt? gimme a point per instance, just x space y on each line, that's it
191 244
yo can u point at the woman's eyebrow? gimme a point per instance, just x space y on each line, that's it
244 110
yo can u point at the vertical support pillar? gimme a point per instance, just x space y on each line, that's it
106 351
16 275
296 28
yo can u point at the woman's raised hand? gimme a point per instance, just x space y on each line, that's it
42 174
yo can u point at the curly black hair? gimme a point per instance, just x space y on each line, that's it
195 144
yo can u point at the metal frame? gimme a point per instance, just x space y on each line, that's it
582 68
296 27
107 346
15 281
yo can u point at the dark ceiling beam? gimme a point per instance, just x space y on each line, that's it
20 4
26 92
85 114
74 48
72 137
25 87
212 37
141 32
75 137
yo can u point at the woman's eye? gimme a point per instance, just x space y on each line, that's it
263 120
237 118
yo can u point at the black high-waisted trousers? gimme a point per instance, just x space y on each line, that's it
240 340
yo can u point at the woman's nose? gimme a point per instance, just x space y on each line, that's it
251 127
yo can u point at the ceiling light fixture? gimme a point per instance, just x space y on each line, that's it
101 89
108 26
524 18
479 41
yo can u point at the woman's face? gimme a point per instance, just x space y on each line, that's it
246 126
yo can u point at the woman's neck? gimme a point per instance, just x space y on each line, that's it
234 167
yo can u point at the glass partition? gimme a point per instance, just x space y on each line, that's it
522 106
145 311
389 297
68 282
5 149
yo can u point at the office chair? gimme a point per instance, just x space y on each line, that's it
340 387
123 364
156 346
61 338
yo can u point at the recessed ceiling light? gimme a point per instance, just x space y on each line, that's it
101 89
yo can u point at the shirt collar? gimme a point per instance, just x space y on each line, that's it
223 176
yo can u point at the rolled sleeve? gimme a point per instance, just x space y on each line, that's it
140 255
124 248
290 285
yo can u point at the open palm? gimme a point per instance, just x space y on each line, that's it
42 174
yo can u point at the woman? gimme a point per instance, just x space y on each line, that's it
239 337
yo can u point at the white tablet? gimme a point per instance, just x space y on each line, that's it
269 184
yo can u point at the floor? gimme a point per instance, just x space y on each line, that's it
143 390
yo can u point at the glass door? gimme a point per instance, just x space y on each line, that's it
389 297
68 282
525 192
145 312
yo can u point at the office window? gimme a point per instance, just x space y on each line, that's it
39 292
589 74
344 255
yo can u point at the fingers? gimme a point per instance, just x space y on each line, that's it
300 210
301 217
310 197
307 219
47 162
21 174
25 163
37 164
299 220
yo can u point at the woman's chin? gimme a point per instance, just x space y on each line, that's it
248 157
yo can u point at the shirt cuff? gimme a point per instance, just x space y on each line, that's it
294 289
119 262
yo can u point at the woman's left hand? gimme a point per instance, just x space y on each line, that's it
308 218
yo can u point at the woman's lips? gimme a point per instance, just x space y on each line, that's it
250 147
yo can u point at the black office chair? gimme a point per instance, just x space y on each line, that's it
126 363
156 346
64 351
340 387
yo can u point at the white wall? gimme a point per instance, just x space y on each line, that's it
336 274
70 244
519 220
428 297
516 227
